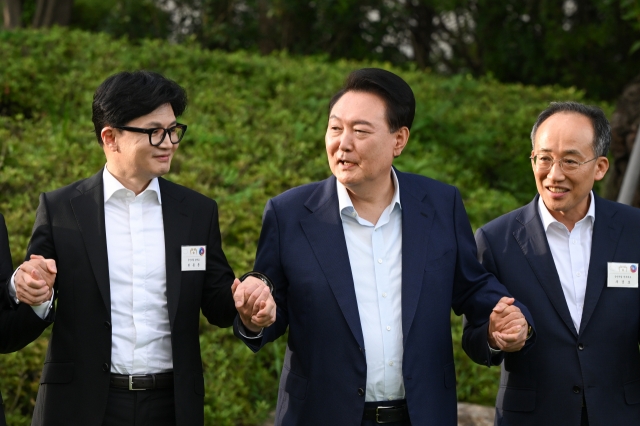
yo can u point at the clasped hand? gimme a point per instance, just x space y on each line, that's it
508 327
254 303
34 280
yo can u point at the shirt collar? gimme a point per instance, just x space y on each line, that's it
548 219
346 205
112 185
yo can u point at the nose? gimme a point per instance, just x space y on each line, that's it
345 140
555 172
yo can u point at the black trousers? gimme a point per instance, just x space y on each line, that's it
154 407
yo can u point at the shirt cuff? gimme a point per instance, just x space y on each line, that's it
244 332
41 310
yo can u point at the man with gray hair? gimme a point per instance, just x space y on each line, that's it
572 258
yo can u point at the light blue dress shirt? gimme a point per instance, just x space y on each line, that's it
375 255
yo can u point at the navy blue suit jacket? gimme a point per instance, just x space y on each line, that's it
601 361
303 250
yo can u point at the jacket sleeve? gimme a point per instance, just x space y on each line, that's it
18 326
269 263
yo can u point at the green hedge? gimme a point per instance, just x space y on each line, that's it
256 128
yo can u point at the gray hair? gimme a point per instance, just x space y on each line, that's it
601 127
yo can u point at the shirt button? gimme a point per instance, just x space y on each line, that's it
581 346
391 363
576 389
388 328
379 260
360 391
384 294
105 367
577 274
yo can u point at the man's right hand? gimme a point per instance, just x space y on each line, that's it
34 280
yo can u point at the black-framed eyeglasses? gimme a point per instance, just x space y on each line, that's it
568 165
157 134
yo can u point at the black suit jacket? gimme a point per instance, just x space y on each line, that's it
70 228
12 322
601 361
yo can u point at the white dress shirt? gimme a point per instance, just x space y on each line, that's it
571 253
141 334
375 255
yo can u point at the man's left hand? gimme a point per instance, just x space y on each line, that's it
254 303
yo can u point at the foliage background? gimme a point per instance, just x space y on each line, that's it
256 128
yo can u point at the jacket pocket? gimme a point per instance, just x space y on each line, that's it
450 376
57 372
296 385
514 399
632 392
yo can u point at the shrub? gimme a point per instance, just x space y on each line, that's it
256 127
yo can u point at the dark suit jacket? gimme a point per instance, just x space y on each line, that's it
601 362
70 228
12 337
303 250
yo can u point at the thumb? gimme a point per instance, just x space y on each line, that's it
51 265
234 286
36 256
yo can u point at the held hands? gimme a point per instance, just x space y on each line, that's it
254 303
34 280
508 327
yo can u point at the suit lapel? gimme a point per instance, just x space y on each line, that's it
417 218
533 243
323 229
176 218
606 234
88 208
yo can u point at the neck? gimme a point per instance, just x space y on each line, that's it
132 183
371 202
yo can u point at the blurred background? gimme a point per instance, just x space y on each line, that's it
259 74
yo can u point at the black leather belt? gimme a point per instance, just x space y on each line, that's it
386 413
142 381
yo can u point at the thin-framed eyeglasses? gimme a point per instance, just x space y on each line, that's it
157 134
544 163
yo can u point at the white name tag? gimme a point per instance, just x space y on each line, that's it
622 275
194 258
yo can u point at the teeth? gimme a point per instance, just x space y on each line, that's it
557 190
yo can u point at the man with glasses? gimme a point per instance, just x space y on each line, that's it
572 258
136 259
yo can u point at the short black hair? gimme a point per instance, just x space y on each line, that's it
394 91
126 96
601 126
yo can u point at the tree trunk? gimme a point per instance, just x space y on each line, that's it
12 11
266 44
624 126
421 30
52 12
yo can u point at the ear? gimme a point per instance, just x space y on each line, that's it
108 135
533 165
401 139
602 165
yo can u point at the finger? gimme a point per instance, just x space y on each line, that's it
36 256
234 286
51 266
238 298
503 303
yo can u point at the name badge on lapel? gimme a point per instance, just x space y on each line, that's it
622 275
194 258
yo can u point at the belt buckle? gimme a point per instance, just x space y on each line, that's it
131 376
378 414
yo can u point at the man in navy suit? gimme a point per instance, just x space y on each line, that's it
572 258
367 265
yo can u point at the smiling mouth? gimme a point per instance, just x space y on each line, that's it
557 190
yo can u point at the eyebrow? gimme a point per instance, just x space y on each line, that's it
354 122
157 125
567 152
